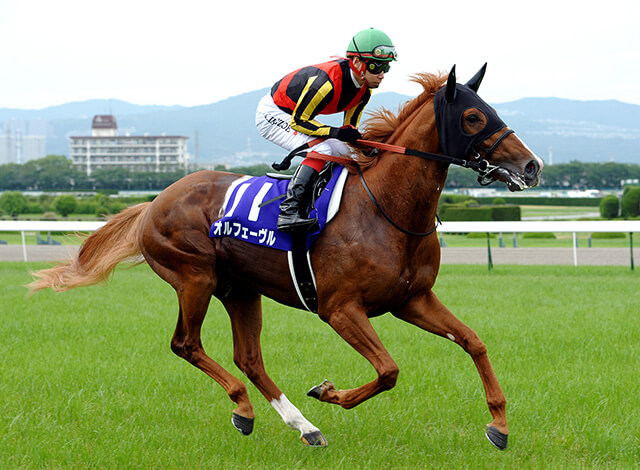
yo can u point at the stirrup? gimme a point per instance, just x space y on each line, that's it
296 224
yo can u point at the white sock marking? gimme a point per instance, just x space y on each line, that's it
292 416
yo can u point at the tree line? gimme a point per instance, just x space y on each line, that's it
574 175
56 172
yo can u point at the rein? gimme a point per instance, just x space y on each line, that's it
478 164
389 219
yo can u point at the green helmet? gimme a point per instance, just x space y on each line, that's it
372 44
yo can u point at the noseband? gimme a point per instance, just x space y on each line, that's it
485 177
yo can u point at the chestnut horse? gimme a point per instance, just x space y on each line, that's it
364 266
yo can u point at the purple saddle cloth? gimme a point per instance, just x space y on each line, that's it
245 220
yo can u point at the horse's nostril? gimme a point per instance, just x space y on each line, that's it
532 168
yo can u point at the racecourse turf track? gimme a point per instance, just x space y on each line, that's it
87 378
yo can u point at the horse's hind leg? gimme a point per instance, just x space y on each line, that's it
245 312
428 313
194 297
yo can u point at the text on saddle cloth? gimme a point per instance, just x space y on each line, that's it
246 218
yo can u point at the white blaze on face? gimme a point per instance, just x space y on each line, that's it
537 158
292 416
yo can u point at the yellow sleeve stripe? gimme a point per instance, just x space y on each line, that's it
348 117
301 118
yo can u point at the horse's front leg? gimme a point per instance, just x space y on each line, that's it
352 324
427 312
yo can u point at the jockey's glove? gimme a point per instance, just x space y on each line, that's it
346 134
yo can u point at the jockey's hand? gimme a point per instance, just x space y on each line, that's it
346 134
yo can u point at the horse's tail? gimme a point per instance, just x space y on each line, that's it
99 254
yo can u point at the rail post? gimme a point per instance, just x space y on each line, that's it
490 261
24 246
631 248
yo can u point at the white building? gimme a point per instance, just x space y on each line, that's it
106 149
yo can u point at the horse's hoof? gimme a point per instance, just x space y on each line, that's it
316 392
497 438
314 439
242 424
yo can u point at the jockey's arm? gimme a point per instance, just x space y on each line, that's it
313 98
352 115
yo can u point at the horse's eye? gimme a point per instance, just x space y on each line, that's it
472 118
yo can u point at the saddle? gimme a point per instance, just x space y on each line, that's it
250 214
321 182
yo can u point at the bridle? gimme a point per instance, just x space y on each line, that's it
485 177
477 163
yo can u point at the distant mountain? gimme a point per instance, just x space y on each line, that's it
588 131
82 109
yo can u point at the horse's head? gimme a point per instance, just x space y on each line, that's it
469 128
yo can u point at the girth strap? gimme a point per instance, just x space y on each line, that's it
301 271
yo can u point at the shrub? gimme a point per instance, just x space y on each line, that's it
631 201
13 202
86 207
539 235
499 202
109 208
34 208
46 201
65 204
609 207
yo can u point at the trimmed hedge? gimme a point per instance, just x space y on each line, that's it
480 235
506 213
539 235
607 235
630 204
456 212
546 201
454 198
610 207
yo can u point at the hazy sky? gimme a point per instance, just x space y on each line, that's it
191 52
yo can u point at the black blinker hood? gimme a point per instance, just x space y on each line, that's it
453 139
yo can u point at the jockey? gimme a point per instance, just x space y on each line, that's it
286 116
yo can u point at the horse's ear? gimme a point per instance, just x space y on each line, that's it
475 81
450 92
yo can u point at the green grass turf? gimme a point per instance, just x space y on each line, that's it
557 211
87 378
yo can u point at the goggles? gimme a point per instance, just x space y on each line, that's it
384 52
376 67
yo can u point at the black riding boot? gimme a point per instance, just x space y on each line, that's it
295 208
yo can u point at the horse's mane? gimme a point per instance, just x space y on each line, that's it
382 123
